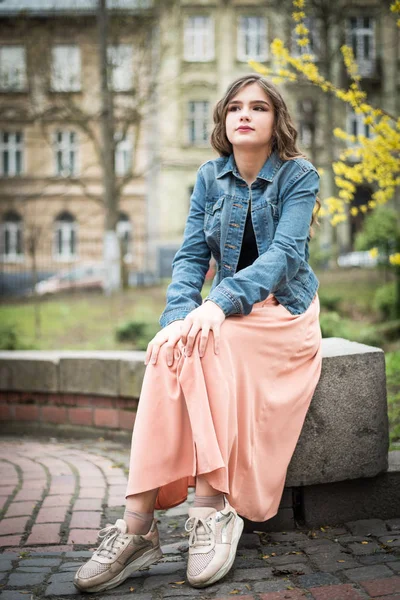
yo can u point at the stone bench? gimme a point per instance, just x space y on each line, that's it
339 472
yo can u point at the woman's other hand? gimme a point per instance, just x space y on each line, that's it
169 335
207 317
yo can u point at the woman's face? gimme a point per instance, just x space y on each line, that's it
250 118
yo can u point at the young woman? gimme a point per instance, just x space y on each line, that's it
229 379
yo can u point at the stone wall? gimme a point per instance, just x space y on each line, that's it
341 462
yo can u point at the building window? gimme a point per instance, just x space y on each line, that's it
120 67
12 68
66 69
65 237
307 111
199 39
11 237
124 232
123 154
66 153
361 38
356 125
252 39
305 134
313 48
198 122
11 153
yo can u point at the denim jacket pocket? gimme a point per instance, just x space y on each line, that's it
212 216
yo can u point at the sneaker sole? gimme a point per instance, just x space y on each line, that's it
237 532
147 559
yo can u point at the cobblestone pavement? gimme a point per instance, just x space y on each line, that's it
56 494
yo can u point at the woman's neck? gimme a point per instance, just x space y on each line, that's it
250 162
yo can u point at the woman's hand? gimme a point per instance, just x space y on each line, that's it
169 335
207 317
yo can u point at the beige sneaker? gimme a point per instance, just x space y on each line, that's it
213 540
119 555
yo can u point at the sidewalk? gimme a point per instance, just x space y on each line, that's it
55 496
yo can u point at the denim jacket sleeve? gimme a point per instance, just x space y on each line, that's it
190 263
280 263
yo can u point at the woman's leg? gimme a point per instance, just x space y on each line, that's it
207 496
139 511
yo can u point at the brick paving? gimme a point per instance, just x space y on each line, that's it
55 495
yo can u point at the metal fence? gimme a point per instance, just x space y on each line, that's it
18 278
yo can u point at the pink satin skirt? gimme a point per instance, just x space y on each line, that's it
234 417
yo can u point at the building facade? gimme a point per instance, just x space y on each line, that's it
50 140
52 211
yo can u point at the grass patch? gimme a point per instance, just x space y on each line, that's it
393 390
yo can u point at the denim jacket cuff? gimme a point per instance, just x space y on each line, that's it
228 303
173 315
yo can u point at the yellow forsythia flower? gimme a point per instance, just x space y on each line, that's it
394 259
374 252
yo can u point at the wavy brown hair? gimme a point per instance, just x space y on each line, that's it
284 135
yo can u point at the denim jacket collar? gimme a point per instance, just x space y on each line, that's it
267 171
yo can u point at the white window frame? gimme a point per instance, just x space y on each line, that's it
12 68
14 148
120 63
66 68
252 38
356 39
198 39
14 228
69 236
64 148
313 35
123 154
198 112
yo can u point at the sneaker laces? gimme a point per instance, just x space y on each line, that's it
112 541
200 531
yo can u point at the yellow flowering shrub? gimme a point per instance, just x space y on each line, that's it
373 160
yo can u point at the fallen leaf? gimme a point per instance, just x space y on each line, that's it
322 529
266 556
341 561
178 582
248 586
234 592
365 542
388 541
131 589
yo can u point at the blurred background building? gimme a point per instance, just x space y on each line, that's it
168 63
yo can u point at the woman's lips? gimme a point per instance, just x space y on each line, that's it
245 129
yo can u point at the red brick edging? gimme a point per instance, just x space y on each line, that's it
73 409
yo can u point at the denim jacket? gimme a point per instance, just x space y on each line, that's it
281 200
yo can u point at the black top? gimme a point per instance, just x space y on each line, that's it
248 252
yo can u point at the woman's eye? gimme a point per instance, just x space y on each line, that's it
233 108
260 108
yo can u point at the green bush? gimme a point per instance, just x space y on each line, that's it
332 325
393 388
385 301
329 299
130 331
10 338
139 333
371 336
